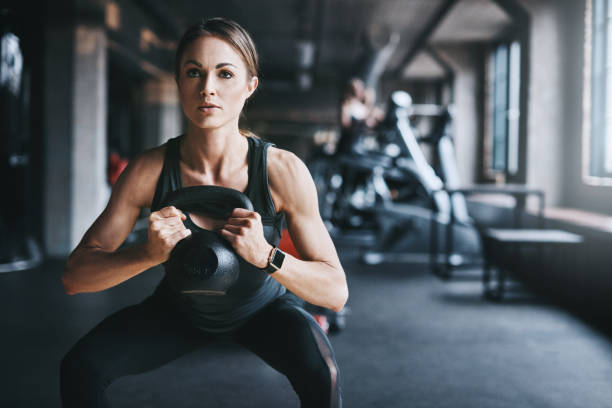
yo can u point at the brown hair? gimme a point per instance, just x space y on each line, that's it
224 29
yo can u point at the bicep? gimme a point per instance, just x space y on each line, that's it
304 223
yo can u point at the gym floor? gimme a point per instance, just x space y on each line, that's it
411 341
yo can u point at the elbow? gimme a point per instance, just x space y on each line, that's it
342 295
342 299
337 308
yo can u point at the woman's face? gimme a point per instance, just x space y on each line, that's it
213 83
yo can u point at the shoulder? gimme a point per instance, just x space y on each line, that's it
280 160
148 160
138 181
285 167
289 179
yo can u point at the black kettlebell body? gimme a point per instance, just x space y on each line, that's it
204 263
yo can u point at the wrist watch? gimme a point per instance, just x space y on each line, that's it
275 261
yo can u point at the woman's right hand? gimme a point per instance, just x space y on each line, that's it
166 229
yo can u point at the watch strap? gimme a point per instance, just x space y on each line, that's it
275 261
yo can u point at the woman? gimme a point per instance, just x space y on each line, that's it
216 72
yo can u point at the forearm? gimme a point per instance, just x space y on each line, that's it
316 282
94 270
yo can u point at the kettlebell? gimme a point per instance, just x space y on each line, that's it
204 263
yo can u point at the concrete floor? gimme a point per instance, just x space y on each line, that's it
411 341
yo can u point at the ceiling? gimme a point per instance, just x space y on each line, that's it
336 28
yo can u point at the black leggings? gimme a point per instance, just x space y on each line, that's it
145 336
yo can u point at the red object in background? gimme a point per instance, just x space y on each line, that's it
286 245
116 165
322 321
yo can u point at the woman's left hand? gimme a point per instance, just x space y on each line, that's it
244 231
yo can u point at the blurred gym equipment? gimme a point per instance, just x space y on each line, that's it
18 250
385 186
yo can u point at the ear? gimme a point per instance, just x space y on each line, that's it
252 85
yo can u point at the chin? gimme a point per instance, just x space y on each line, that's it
207 123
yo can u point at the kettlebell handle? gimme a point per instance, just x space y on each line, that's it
214 201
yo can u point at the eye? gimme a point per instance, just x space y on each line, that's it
193 73
226 74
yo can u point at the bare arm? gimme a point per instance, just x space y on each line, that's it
318 277
95 264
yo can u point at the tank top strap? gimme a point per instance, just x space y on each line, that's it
258 189
253 166
170 177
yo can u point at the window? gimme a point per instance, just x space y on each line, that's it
502 118
598 93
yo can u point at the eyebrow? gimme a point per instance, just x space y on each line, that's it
220 65
193 62
223 64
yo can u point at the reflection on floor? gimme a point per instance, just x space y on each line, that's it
411 341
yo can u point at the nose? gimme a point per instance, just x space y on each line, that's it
208 85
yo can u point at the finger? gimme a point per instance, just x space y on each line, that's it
242 213
234 229
158 215
179 235
166 232
171 211
162 224
154 216
248 216
228 235
238 221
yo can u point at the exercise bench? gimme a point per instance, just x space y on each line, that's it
502 251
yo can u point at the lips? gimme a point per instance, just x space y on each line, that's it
209 106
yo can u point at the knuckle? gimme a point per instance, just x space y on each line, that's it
169 211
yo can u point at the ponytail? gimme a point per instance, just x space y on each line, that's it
247 133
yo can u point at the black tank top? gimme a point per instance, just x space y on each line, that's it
254 289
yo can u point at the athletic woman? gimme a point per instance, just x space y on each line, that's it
216 72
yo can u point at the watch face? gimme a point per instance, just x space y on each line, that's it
278 258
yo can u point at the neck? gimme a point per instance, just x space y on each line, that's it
214 151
